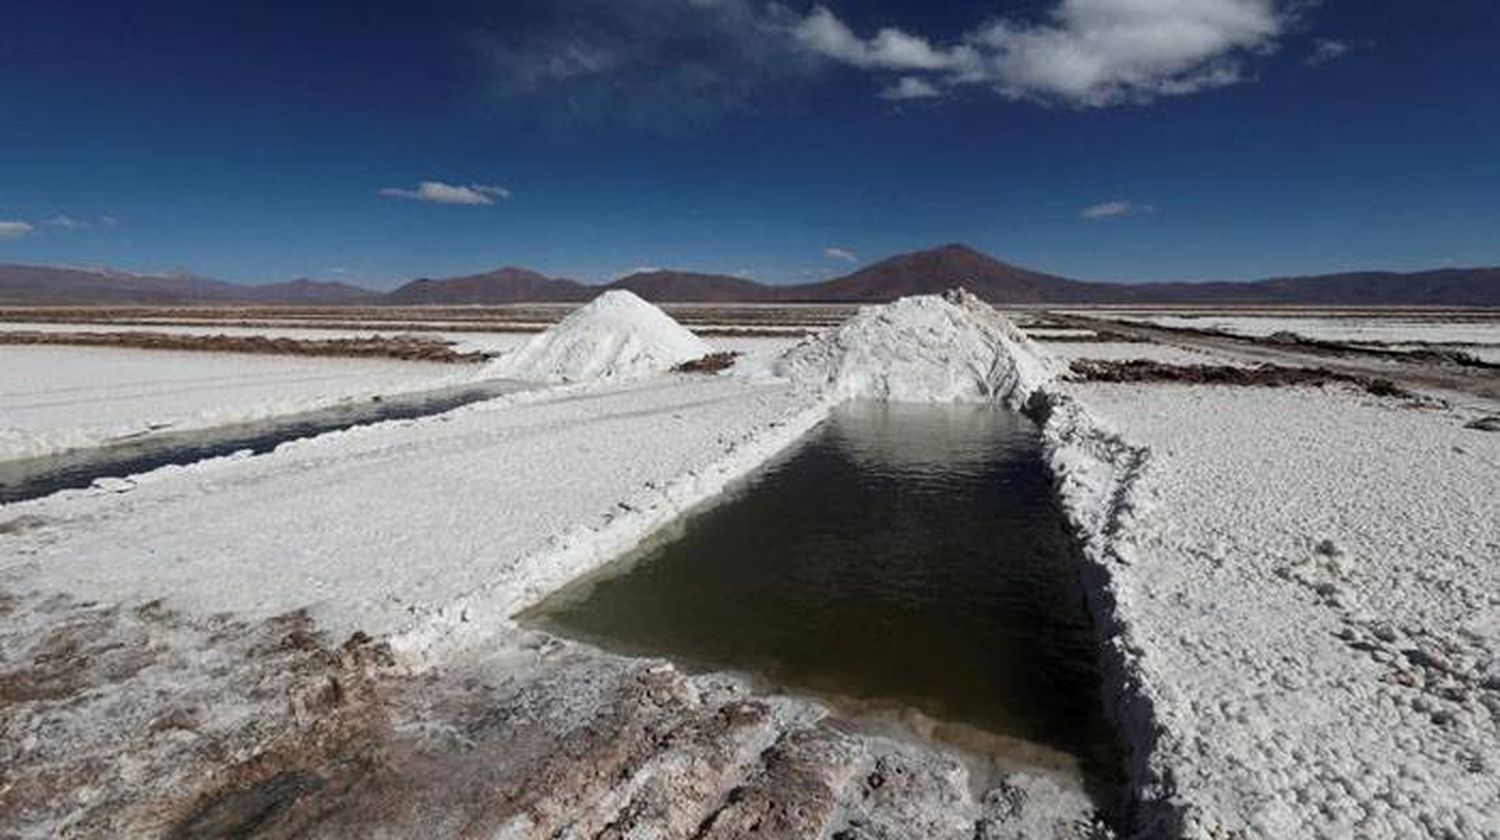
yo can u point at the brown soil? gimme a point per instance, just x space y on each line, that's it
381 347
1269 376
712 363
86 690
143 721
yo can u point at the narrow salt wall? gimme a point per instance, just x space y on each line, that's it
1096 470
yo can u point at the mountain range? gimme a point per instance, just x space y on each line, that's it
918 272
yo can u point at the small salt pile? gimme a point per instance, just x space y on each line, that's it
926 348
615 336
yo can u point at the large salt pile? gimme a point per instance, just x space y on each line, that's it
615 336
927 348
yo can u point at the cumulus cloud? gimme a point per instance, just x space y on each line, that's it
841 254
15 230
437 192
1101 52
910 87
1087 53
1114 210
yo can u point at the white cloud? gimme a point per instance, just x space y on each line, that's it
1114 210
437 192
910 87
841 254
108 221
891 49
1326 50
1088 53
1102 52
15 230
65 222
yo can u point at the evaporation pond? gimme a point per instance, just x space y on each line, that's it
902 562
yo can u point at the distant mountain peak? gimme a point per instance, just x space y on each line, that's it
510 284
660 284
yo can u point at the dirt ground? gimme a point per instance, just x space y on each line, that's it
405 348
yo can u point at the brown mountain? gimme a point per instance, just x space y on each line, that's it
925 272
314 293
934 270
915 273
32 284
1441 287
507 285
687 287
35 284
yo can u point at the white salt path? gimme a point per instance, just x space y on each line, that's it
377 527
615 336
54 398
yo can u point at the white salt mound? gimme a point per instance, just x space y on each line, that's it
615 336
927 348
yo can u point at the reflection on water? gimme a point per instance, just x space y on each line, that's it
908 561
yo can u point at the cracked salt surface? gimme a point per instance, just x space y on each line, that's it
1310 580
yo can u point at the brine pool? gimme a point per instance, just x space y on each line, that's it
909 565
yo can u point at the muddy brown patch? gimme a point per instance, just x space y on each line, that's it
712 363
1265 375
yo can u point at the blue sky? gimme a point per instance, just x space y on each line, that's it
1099 139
